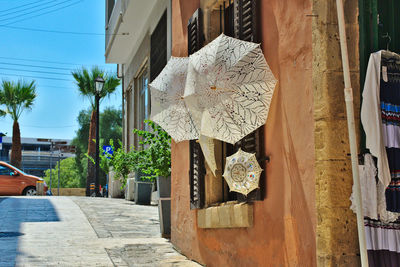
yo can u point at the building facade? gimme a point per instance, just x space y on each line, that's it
138 39
300 215
37 156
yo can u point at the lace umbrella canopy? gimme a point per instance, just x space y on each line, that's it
229 87
242 172
168 108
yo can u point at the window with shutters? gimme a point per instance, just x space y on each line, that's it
235 18
197 169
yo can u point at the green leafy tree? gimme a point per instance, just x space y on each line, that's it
85 81
110 129
16 97
69 175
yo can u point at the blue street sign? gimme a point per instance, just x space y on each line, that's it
108 150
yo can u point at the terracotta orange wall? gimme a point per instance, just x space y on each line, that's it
183 220
284 223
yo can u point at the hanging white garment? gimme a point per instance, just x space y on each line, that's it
372 123
368 189
371 117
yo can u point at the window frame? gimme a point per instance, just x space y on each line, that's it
10 171
142 96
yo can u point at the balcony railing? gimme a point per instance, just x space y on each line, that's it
115 11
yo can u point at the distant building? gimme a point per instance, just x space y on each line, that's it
36 155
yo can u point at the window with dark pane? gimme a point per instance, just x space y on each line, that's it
158 47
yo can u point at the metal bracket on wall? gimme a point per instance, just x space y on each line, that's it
265 158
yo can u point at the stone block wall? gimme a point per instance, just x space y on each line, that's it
70 191
336 234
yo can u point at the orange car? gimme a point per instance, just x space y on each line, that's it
14 182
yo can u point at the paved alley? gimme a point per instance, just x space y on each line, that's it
79 231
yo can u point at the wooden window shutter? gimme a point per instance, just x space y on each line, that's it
196 175
158 48
245 20
245 25
197 169
195 32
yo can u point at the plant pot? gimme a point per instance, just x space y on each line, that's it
164 212
164 187
164 205
143 192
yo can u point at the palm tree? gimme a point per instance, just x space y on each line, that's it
17 97
85 80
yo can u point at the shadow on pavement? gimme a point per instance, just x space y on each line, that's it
14 212
3 198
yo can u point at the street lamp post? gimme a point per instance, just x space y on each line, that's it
99 81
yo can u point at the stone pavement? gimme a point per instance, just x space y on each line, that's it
79 231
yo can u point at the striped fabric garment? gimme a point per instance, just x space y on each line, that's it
383 243
390 110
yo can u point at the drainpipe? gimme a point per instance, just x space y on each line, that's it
348 93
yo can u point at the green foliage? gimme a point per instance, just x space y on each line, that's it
69 174
85 80
82 134
17 97
111 125
105 159
154 158
123 163
110 131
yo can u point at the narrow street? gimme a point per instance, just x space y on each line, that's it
79 231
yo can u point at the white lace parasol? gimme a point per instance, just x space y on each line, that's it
229 88
168 108
242 172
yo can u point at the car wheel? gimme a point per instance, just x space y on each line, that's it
30 191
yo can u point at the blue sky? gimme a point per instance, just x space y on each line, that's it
58 101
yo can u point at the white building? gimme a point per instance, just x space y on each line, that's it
138 39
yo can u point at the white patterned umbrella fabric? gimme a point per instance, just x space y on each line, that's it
168 108
242 172
229 87
207 145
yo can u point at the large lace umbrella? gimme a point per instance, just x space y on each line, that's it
229 88
242 172
168 108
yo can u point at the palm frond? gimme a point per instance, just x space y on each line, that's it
85 81
17 97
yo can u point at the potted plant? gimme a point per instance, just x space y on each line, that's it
155 164
121 162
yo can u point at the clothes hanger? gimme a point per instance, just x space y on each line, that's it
387 52
389 40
